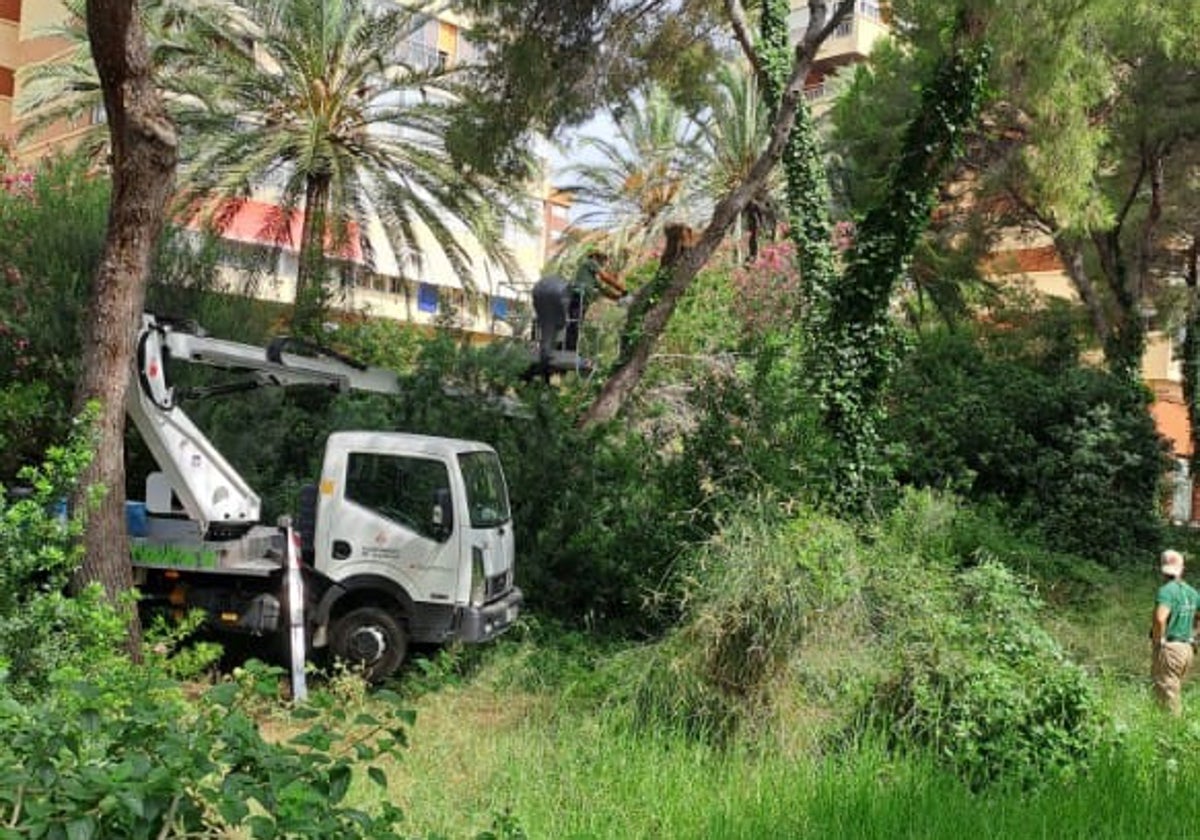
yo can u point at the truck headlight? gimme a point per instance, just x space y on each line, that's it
478 577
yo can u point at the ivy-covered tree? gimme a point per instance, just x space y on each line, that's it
853 348
782 68
849 341
687 251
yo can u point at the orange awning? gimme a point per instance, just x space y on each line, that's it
261 223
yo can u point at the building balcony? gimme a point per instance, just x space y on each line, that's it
853 39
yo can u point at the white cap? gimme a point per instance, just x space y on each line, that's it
1172 563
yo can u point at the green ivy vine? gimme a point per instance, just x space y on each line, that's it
644 301
808 197
856 349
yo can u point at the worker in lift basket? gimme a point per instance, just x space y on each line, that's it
591 277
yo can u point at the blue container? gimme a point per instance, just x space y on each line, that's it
135 519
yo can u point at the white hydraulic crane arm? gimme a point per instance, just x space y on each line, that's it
211 491
279 367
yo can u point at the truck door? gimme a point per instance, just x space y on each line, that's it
391 516
488 531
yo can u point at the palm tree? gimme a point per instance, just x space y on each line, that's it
329 107
734 131
635 182
322 96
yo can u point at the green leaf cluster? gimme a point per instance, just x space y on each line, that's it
1010 415
53 235
130 756
975 679
41 629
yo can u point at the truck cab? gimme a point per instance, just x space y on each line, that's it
416 523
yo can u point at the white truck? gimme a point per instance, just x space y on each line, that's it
403 537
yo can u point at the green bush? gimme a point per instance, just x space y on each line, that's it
976 679
130 756
41 629
53 236
752 597
1009 415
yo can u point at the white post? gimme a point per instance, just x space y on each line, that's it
295 594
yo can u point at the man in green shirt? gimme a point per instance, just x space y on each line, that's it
1171 632
591 277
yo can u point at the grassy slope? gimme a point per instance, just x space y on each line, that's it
482 747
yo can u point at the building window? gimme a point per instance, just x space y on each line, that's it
427 298
402 489
499 308
870 9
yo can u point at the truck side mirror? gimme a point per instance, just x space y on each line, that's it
442 517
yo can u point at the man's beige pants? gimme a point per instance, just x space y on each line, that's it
1171 663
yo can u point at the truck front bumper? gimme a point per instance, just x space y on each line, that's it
479 624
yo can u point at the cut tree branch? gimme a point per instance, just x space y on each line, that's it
680 266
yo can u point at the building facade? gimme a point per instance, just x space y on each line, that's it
850 43
417 287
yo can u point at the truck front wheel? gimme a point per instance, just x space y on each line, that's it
371 638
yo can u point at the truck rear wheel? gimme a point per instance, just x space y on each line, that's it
372 638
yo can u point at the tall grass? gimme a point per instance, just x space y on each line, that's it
1019 719
475 754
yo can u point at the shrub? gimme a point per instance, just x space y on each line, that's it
53 235
1011 416
41 629
976 679
751 599
129 756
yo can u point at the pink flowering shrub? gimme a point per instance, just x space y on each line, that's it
768 294
843 235
17 183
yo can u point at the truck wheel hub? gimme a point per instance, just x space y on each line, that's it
367 644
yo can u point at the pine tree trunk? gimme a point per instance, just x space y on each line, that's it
143 165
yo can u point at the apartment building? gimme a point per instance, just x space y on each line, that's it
21 23
418 286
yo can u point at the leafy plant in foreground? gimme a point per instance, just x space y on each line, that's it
129 756
41 629
94 745
976 679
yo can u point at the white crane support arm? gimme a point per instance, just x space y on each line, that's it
211 491
275 366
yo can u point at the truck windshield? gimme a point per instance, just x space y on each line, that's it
487 495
